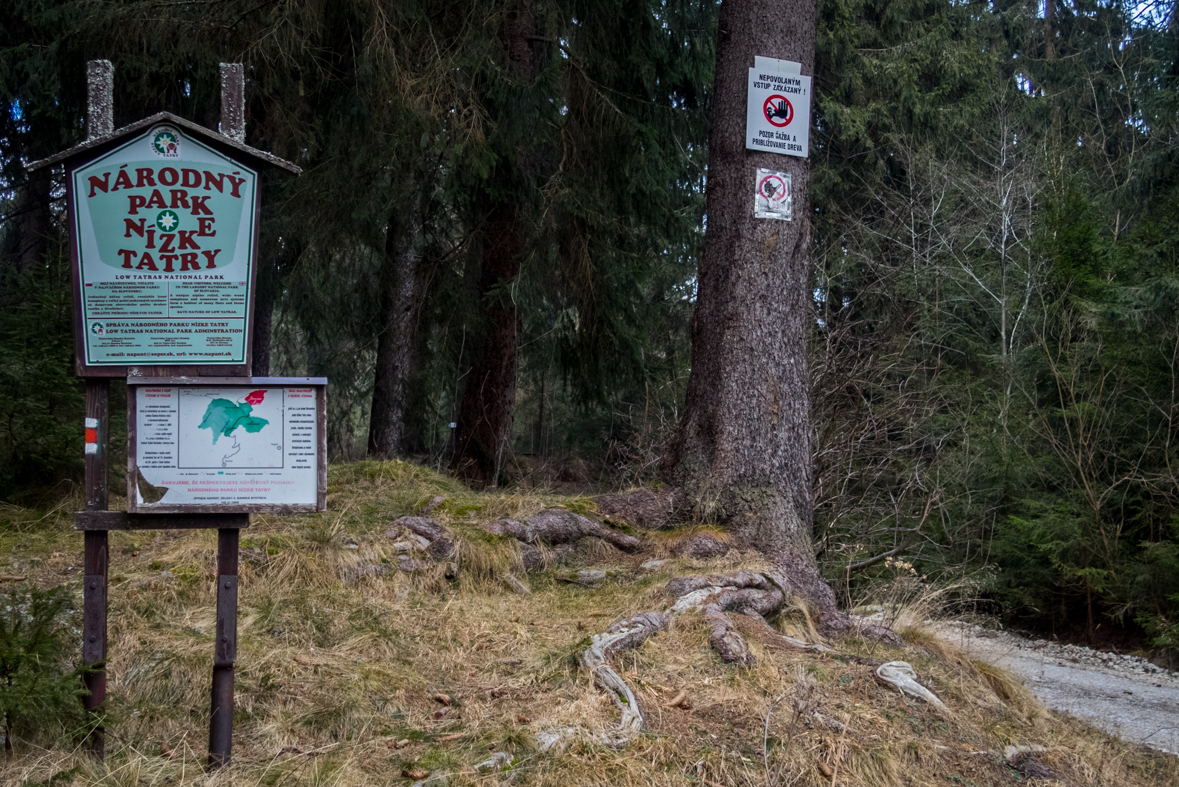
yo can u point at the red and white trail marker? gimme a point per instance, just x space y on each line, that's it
91 435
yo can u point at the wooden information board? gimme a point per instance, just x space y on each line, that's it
164 239
226 444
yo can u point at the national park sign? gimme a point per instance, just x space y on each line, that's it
165 229
164 235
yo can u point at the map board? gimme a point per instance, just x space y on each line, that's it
165 243
778 108
226 445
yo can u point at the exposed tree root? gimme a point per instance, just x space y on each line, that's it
556 526
648 509
746 591
725 639
754 594
623 635
537 558
440 546
713 595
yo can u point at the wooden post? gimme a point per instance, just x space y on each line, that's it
233 101
233 125
99 122
96 560
221 716
100 88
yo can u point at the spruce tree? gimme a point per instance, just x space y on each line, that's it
742 453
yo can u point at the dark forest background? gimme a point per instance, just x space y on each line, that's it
501 215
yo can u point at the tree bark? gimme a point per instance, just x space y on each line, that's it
484 421
485 412
1049 33
397 344
742 453
33 219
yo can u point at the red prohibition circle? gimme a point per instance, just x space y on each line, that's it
777 190
778 110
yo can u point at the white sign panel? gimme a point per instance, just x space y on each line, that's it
165 237
772 198
778 112
253 447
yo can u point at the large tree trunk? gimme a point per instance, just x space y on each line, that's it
742 453
33 219
484 421
485 411
396 346
1049 32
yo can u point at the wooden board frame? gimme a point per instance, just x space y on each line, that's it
319 383
107 140
83 369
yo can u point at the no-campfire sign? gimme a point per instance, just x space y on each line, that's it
778 113
773 199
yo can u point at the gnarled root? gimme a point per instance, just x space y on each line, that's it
749 592
648 509
623 635
556 527
725 639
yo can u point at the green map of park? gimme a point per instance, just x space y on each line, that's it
224 416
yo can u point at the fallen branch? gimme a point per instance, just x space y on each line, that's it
863 564
908 542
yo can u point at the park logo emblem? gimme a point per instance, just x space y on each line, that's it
165 143
98 329
168 221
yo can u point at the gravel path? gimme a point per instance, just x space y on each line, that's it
1123 695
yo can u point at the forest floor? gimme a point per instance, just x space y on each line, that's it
362 663
1122 694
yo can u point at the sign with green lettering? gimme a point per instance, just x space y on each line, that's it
164 232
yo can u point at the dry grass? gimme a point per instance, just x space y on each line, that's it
336 667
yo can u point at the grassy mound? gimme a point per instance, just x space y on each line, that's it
350 676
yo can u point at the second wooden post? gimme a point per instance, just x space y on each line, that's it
225 652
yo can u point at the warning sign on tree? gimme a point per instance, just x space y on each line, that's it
773 199
778 118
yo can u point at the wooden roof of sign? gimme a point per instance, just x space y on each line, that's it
141 307
92 148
